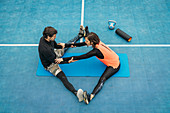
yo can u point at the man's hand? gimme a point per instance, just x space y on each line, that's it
58 60
71 60
62 44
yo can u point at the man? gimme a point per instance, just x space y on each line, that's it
49 50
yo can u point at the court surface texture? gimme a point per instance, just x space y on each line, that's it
147 90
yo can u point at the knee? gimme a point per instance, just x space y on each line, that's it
62 76
102 79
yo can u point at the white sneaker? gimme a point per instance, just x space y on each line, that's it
80 95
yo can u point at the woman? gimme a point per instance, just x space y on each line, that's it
104 54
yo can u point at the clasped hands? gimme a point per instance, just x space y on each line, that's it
63 45
58 60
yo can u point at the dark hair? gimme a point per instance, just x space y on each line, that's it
49 31
92 37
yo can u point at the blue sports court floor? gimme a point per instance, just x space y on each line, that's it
147 90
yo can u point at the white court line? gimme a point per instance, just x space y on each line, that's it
82 12
140 45
82 17
110 45
18 44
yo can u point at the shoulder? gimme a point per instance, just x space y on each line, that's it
42 45
96 50
42 41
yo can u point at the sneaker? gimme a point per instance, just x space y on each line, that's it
86 31
81 32
80 95
86 97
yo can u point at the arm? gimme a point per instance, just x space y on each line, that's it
49 55
57 46
52 57
63 45
75 58
76 44
94 52
84 56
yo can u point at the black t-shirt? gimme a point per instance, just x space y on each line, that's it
46 51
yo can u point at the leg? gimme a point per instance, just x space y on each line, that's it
110 71
66 83
82 33
69 86
56 71
106 75
75 39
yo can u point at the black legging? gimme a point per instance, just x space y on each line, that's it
66 83
75 39
110 71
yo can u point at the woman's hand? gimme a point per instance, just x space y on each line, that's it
71 60
58 60
72 45
62 44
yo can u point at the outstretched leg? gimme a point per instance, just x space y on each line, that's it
106 75
56 71
82 33
69 86
110 71
75 39
66 83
